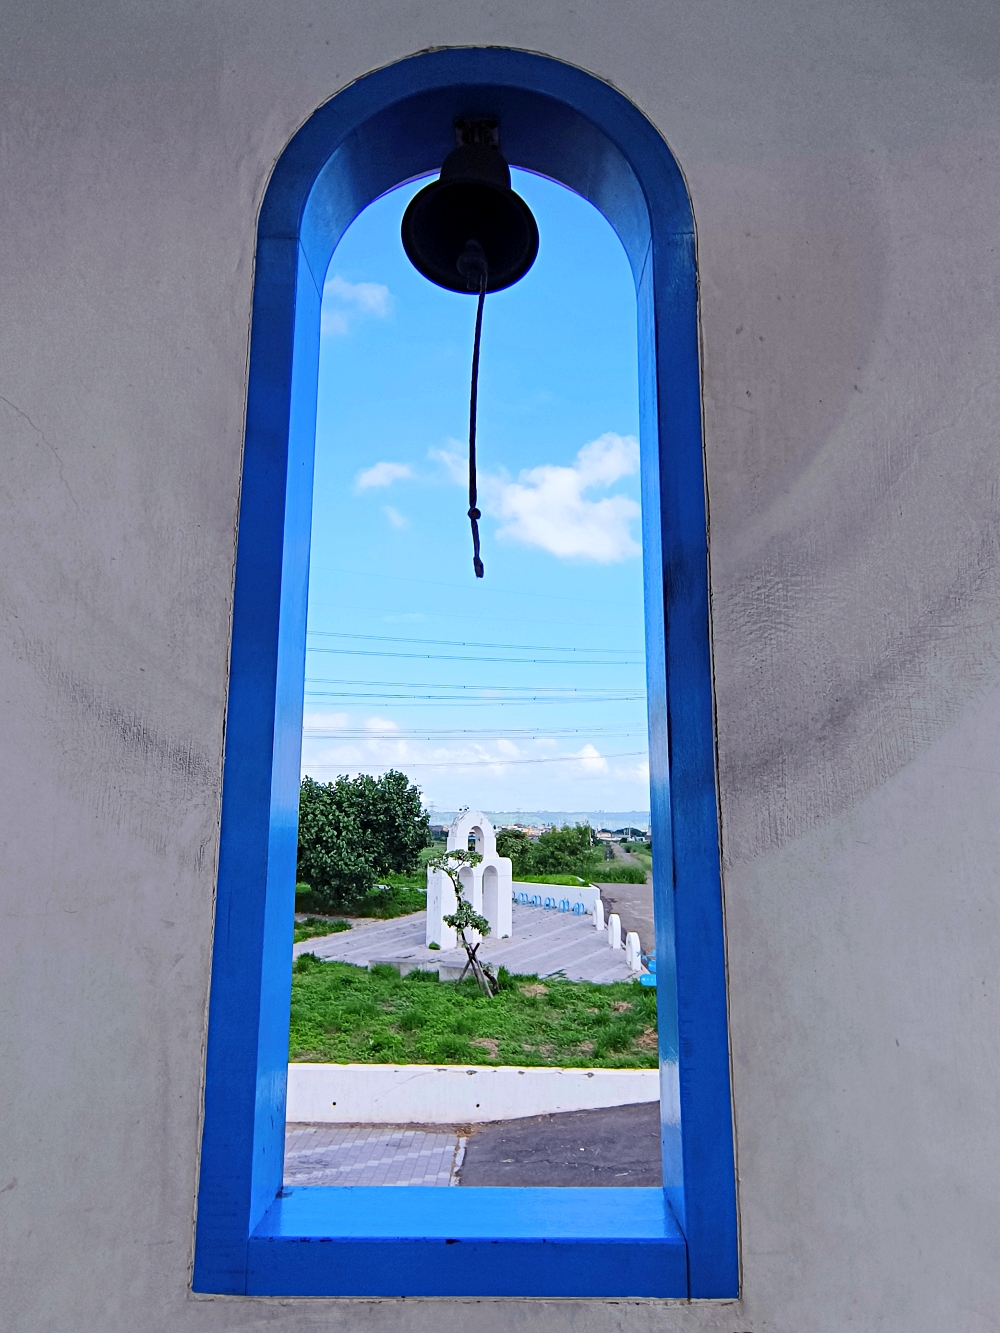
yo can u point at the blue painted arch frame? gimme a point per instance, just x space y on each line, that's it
253 1237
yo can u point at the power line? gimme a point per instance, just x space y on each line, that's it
462 643
575 690
452 733
467 616
493 763
475 703
455 657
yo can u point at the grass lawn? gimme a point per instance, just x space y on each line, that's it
409 894
616 872
400 895
571 881
318 925
600 872
342 1013
642 853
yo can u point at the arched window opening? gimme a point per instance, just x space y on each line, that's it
522 692
254 1237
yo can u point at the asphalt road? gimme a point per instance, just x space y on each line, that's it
618 1146
634 905
632 902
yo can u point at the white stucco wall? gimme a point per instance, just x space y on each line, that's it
844 166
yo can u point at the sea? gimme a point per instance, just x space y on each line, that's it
597 819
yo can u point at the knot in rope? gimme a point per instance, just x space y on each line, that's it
473 268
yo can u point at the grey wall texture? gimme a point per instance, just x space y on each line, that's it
844 165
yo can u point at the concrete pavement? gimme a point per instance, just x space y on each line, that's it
612 1147
617 1146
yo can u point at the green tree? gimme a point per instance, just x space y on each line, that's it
465 917
516 844
563 851
392 815
352 831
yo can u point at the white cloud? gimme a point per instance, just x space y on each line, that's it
371 297
638 772
381 474
396 519
380 725
334 323
344 301
455 463
477 771
318 720
591 760
548 507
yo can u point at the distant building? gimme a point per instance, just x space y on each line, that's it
532 831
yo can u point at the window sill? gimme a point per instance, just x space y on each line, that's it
425 1241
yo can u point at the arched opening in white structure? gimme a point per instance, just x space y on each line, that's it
491 893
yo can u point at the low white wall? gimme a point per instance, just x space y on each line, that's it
455 1094
578 893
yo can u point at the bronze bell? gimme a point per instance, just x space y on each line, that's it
470 213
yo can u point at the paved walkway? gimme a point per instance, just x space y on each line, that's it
617 1146
543 943
371 1155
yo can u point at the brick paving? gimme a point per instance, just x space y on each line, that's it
371 1155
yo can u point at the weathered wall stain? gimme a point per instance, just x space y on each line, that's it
128 768
855 588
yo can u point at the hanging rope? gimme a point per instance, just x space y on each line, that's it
473 267
474 514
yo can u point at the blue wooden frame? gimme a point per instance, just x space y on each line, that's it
253 1237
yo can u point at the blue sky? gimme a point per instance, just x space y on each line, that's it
524 690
